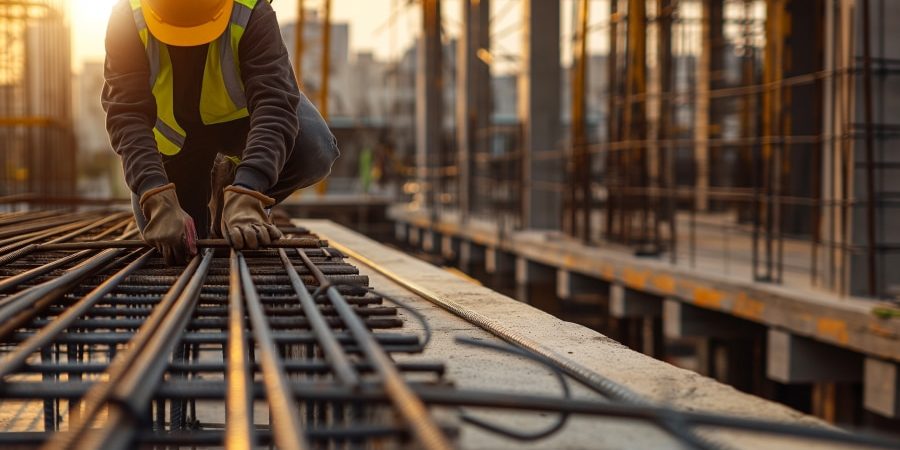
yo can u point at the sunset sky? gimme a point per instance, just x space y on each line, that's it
368 26
89 19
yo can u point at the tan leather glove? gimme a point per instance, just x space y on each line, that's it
245 223
169 228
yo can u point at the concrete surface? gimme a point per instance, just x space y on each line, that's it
477 368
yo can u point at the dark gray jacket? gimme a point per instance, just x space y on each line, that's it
269 83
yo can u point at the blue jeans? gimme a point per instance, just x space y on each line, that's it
310 160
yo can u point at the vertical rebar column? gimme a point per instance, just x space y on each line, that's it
299 42
871 236
580 167
429 102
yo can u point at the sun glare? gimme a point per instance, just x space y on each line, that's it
94 12
88 19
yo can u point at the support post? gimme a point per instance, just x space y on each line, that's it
473 105
326 60
299 37
429 102
539 113
882 387
797 359
701 112
580 166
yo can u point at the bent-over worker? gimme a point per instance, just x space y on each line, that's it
204 110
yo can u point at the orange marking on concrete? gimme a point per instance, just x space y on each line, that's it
664 283
833 328
635 279
745 306
608 272
878 330
708 298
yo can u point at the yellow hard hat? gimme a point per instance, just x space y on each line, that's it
187 23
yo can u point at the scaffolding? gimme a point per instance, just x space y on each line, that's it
748 137
37 149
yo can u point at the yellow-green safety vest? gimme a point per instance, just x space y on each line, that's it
222 97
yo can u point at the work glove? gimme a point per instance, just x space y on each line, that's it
245 223
169 229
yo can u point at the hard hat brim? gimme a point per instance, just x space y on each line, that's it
187 36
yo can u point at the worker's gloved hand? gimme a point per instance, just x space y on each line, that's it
245 223
169 228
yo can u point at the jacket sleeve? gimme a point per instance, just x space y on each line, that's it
129 103
272 99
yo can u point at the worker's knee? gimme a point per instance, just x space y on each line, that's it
316 146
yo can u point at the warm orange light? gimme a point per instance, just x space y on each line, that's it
94 12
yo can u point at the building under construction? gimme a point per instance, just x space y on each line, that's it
36 142
598 224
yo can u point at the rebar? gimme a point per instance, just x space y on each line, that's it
132 347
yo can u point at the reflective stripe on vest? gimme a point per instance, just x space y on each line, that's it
222 96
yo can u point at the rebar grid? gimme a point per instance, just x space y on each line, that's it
285 346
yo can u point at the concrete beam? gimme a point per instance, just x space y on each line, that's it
539 113
573 286
882 387
414 236
683 320
530 272
429 98
498 261
797 359
450 247
430 241
844 322
473 107
627 303
470 254
536 285
400 231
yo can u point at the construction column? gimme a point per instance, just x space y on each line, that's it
429 105
473 105
539 113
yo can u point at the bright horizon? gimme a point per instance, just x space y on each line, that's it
89 20
368 29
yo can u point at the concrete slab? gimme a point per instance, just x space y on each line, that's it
845 322
653 379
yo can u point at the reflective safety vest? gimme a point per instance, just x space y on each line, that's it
222 97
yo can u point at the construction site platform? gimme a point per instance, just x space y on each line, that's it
325 339
432 290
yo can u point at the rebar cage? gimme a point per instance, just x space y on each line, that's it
748 137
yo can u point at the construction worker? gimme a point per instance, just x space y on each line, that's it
204 110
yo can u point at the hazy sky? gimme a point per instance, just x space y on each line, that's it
368 25
89 18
